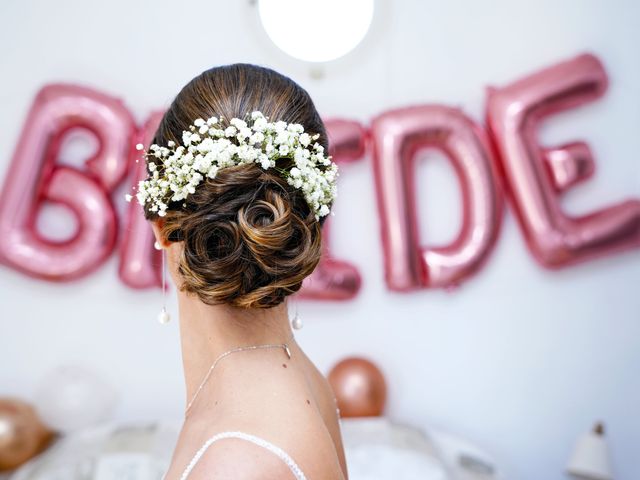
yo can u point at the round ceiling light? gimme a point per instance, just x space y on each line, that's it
316 31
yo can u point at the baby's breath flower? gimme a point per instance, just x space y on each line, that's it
208 146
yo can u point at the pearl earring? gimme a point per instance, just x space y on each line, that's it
296 322
163 316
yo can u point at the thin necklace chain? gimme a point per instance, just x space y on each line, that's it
285 346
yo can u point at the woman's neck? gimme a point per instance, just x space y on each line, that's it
207 331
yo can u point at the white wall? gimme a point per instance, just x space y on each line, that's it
520 360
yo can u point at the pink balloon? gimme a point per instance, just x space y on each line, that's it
537 175
568 164
33 177
397 136
140 263
336 279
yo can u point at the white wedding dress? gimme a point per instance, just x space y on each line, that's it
284 456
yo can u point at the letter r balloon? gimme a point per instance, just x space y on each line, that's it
140 263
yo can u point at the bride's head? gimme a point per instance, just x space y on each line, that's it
245 238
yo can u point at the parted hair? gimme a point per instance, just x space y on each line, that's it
249 238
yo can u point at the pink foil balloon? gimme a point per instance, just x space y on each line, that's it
536 175
33 177
140 263
397 136
336 279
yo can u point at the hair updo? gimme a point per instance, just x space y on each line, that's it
249 238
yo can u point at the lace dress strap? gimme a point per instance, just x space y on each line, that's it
284 456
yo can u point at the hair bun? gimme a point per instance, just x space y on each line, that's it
249 239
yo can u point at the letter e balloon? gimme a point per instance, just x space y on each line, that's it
536 176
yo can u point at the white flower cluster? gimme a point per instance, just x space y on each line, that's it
209 146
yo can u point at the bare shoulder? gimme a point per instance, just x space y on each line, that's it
328 408
294 410
241 460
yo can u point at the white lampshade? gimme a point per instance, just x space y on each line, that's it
590 458
316 31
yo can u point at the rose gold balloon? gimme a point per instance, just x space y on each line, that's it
359 387
537 176
22 434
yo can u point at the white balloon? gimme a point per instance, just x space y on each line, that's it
72 397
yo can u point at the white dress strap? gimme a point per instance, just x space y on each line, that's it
284 456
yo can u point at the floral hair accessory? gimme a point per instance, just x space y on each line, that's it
209 146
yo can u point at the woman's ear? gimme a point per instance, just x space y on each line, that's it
157 226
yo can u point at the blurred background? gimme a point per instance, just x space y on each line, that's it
502 376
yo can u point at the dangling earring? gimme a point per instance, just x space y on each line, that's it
296 322
163 316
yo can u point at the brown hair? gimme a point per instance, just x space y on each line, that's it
249 237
